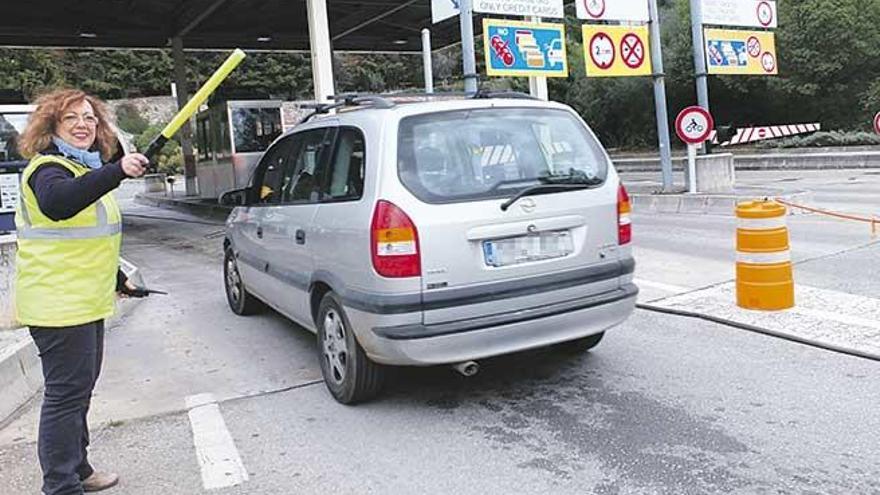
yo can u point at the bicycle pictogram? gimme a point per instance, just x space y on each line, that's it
693 126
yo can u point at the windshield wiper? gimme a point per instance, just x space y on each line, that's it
541 188
573 177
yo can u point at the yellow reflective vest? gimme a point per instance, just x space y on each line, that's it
65 270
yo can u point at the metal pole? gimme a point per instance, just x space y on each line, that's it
426 61
469 59
699 54
660 97
322 59
182 93
538 84
692 168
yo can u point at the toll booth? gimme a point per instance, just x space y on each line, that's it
13 119
231 136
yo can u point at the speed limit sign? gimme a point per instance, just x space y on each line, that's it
694 125
877 123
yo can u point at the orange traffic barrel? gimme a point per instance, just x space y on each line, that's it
764 278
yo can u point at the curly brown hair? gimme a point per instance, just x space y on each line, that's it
50 107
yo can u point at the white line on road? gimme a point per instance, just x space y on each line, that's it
661 286
218 458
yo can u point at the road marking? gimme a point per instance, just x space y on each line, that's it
218 458
660 285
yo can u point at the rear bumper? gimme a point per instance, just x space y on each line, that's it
483 337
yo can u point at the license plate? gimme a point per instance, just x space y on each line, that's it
526 249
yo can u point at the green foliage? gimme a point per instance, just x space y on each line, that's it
29 71
824 139
129 119
170 158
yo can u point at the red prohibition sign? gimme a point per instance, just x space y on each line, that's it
632 50
877 123
768 62
754 46
694 125
765 14
603 56
595 8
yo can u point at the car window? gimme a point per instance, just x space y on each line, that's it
267 187
491 153
300 178
345 181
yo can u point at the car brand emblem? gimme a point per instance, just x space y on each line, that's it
528 205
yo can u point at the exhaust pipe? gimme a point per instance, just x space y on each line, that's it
467 368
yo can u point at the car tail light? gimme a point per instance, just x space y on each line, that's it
624 224
394 242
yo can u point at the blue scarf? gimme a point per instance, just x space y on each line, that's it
91 159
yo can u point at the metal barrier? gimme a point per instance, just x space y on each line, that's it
875 222
764 278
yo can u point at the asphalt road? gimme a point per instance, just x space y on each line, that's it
663 405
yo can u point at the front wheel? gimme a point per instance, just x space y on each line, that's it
349 374
241 302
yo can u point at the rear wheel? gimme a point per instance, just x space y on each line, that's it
241 302
582 344
349 374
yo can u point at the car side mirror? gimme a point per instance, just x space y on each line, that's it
237 197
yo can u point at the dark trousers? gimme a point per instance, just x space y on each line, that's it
71 358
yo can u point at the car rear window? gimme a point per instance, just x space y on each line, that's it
488 153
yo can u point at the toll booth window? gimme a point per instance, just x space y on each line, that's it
346 181
224 147
254 129
203 139
478 154
11 127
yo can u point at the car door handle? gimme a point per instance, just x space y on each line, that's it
300 236
260 232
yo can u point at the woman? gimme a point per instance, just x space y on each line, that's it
69 231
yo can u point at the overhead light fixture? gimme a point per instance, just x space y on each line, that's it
400 42
87 35
264 39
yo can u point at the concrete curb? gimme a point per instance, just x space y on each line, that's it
196 208
21 377
705 204
758 161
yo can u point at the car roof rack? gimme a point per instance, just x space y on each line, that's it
346 100
385 101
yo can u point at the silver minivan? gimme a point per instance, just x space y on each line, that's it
435 231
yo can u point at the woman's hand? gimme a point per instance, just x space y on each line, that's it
128 287
134 164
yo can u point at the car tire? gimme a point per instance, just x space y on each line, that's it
350 376
582 344
241 302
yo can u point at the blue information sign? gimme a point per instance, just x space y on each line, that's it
524 49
